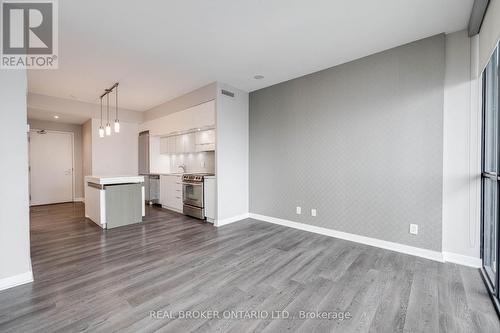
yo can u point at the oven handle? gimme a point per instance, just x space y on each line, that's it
195 184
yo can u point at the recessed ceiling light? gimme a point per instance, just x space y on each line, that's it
258 77
57 117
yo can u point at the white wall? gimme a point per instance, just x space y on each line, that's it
87 148
15 263
186 101
232 155
116 154
78 147
461 152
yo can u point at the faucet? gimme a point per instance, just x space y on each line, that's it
183 167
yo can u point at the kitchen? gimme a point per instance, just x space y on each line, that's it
124 175
176 171
177 160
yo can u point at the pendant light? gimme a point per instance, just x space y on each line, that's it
101 130
117 122
108 126
106 131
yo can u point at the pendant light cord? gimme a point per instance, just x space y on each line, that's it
116 104
101 111
107 107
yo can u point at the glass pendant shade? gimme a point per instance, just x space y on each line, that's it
117 126
108 129
101 132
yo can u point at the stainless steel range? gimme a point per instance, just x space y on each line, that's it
192 194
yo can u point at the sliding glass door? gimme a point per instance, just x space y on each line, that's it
491 176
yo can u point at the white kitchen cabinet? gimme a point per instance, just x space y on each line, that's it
164 146
204 137
209 194
163 190
185 143
179 144
205 147
171 145
205 140
189 140
171 192
188 143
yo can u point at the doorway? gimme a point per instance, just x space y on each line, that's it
51 167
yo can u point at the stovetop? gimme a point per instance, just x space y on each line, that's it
195 177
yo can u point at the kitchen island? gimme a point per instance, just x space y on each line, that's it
114 201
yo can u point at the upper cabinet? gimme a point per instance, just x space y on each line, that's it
185 143
205 140
188 142
199 116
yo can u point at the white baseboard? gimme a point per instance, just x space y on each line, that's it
397 247
415 251
462 260
16 280
78 199
229 220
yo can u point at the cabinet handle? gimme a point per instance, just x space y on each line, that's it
178 197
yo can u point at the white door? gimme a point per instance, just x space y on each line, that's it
51 167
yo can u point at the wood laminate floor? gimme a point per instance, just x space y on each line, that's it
87 279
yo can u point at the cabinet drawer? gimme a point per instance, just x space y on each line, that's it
177 202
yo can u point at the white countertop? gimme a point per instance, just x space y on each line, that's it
106 180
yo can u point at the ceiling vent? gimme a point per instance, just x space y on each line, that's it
227 93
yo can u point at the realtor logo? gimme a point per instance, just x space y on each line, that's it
29 34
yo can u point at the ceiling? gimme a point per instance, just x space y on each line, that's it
161 49
65 118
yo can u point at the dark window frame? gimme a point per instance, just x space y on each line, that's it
493 288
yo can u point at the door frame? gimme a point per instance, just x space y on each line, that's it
72 135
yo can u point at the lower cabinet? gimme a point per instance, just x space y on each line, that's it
171 192
210 197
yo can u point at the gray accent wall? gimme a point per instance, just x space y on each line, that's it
361 142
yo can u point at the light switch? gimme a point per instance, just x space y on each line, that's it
313 212
414 229
298 210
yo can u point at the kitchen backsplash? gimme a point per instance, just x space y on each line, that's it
194 162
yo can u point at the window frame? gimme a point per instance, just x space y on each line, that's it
493 288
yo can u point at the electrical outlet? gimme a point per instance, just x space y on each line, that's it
414 229
313 212
298 210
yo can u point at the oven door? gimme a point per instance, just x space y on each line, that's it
192 194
